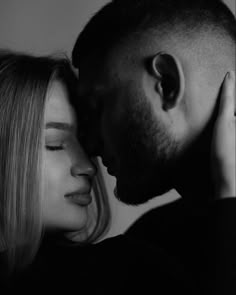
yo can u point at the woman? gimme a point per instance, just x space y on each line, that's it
46 178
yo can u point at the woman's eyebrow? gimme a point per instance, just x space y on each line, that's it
61 126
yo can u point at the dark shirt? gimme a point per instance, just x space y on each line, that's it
203 240
170 250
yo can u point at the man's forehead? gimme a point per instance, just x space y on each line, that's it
90 71
90 85
91 59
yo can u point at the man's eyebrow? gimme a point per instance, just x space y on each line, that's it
61 126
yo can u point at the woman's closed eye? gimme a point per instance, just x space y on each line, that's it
56 140
60 141
55 147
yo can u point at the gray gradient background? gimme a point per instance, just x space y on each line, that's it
46 26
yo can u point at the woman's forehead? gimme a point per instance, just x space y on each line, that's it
58 107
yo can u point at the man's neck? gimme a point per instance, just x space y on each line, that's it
194 181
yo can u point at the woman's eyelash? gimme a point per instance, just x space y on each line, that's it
54 148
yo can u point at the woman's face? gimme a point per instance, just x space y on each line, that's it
67 172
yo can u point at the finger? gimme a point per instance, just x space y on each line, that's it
227 99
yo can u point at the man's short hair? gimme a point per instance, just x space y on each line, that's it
120 19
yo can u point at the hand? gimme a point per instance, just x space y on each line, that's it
223 145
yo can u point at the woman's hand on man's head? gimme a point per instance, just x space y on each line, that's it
224 141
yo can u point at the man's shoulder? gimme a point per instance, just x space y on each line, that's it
141 266
159 220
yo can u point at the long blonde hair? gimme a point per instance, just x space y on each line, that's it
24 84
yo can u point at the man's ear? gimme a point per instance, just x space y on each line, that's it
170 81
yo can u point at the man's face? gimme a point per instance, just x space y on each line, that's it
123 127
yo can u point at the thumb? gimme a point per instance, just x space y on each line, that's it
227 97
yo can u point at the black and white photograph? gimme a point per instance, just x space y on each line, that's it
118 147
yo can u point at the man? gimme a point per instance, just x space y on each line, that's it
150 73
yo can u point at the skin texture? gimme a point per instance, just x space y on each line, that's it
152 133
66 168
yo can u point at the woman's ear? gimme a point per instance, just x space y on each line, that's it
170 81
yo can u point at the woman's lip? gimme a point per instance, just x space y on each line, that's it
80 199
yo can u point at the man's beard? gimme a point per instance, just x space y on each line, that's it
148 157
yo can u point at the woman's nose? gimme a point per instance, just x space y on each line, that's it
83 167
